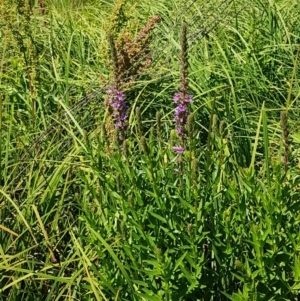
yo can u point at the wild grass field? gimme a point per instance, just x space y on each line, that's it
149 150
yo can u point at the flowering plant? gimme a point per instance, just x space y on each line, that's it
120 108
181 116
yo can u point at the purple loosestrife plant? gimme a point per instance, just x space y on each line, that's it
178 149
182 98
120 111
181 116
181 112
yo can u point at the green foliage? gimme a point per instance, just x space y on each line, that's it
83 217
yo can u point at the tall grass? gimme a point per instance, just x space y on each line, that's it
84 216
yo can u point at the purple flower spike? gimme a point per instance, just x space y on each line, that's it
179 149
187 99
181 116
119 106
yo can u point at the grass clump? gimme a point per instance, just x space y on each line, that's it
101 198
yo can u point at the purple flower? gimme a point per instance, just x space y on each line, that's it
181 115
181 109
111 91
187 99
176 119
180 131
123 116
179 149
176 97
119 106
120 96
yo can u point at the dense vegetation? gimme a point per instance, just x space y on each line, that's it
102 198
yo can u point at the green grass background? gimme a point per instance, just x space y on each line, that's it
83 219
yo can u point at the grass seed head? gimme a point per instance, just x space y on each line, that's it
144 145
